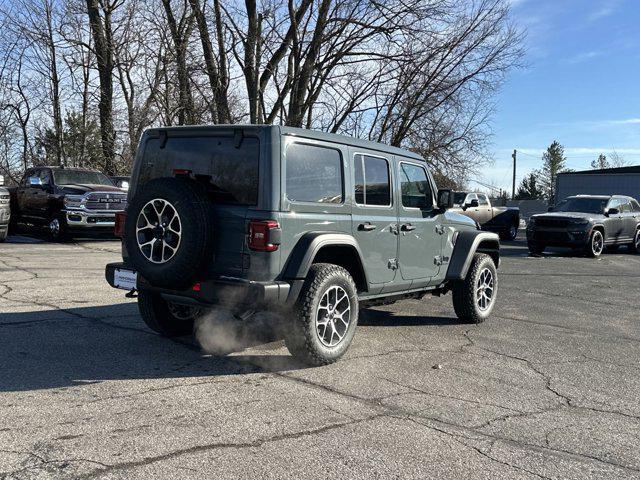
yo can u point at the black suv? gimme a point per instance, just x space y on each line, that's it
311 225
587 223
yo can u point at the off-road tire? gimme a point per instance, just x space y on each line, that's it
302 338
635 246
536 248
590 249
511 234
464 292
156 314
190 201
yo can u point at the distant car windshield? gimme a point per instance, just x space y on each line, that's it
458 197
584 205
82 177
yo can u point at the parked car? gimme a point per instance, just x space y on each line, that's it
121 182
587 223
502 220
65 200
5 213
286 219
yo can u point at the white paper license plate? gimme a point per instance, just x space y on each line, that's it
125 279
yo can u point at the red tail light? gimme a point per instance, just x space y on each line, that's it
121 218
264 235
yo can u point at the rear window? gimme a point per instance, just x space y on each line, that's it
314 174
233 168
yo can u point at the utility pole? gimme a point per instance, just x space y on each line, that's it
513 190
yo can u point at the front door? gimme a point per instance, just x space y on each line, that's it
614 224
420 241
374 216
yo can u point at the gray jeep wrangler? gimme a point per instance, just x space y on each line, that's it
311 225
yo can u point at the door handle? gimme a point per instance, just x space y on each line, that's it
366 227
407 227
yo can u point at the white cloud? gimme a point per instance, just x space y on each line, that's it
606 8
595 123
583 57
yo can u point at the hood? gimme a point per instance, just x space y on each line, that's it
569 215
78 189
454 218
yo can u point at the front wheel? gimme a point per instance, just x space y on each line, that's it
635 246
595 246
326 316
510 234
536 248
3 234
475 297
57 229
166 318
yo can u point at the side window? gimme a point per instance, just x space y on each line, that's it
314 174
25 179
614 203
45 176
482 200
470 197
416 190
635 205
372 180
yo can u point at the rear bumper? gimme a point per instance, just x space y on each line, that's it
559 237
224 291
88 219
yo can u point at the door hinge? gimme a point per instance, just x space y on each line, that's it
393 264
440 229
440 260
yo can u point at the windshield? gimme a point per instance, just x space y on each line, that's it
82 177
458 197
584 205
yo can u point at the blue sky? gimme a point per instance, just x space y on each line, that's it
581 86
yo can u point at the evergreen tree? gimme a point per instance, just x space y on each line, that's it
553 163
529 188
600 163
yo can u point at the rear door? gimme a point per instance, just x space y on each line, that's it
374 215
628 219
420 242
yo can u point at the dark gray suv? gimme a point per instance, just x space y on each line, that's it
308 224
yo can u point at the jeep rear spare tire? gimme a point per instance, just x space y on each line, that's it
168 231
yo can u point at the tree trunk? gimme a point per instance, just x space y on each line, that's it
104 56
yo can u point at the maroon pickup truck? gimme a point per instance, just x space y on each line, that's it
66 200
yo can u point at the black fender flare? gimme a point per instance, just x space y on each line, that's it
468 243
303 254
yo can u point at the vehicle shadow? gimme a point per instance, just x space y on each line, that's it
380 318
63 348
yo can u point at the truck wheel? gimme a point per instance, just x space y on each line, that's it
169 231
166 318
595 246
510 234
475 296
326 316
536 248
635 246
57 229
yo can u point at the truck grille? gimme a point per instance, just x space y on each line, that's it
552 222
106 201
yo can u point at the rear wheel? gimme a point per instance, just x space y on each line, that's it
166 318
595 246
326 316
475 297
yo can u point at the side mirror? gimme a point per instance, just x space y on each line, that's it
611 211
473 204
1 180
35 182
445 199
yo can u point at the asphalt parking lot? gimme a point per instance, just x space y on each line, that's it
547 388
